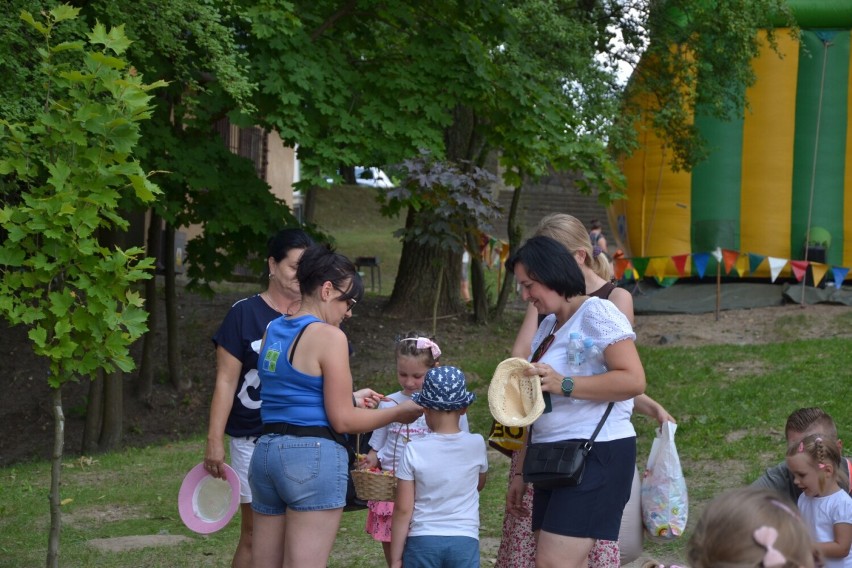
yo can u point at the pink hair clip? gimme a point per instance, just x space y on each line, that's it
425 343
822 466
766 537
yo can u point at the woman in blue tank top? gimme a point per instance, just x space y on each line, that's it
299 470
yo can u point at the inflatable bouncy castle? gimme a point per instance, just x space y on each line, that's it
771 198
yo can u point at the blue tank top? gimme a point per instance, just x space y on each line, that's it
288 395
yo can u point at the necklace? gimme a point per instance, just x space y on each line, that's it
268 298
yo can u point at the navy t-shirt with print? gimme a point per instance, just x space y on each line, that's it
240 335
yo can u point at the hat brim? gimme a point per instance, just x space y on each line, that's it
514 398
206 504
463 402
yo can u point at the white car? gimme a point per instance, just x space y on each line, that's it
374 177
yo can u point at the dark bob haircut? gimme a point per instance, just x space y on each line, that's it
548 262
286 240
320 264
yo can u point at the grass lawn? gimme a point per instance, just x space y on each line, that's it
731 404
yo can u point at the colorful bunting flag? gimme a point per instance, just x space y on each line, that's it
730 257
775 266
818 271
754 261
742 264
800 268
700 259
657 267
680 263
640 263
619 266
839 273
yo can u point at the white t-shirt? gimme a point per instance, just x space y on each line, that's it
821 514
390 441
445 469
570 419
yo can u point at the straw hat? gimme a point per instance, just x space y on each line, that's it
514 398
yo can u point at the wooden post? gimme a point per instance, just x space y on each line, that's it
718 287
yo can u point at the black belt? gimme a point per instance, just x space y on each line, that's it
304 431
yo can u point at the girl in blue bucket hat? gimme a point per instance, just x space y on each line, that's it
436 513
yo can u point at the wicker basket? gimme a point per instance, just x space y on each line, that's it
375 485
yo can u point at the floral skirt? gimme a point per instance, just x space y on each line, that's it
379 520
517 547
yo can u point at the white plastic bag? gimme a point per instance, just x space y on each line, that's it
665 504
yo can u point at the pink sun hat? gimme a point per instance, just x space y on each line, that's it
206 504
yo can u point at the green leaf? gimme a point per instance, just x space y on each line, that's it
64 12
109 61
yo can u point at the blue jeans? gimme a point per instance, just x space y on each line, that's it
441 552
298 473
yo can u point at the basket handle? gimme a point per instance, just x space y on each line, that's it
396 442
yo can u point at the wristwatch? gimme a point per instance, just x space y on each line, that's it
567 386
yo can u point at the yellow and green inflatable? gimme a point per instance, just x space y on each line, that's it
773 178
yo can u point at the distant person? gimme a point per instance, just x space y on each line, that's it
749 526
824 506
416 354
596 236
299 470
802 423
465 277
436 513
235 408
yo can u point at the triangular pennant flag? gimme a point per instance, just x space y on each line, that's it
839 273
657 267
818 271
800 268
680 263
640 263
754 261
775 266
742 264
717 254
700 260
730 257
619 266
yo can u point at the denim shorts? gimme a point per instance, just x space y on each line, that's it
441 552
299 473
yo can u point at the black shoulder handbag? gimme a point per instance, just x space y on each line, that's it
549 465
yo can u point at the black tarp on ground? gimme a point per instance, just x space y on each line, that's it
695 298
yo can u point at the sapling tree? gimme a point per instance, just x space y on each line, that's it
65 172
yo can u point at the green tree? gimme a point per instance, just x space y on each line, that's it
73 166
534 81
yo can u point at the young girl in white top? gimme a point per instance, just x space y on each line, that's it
825 507
416 353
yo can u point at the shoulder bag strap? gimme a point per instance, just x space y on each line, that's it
601 423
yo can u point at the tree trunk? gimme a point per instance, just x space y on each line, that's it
55 497
94 416
310 205
145 378
172 332
113 423
420 265
479 293
514 231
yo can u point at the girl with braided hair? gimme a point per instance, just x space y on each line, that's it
825 507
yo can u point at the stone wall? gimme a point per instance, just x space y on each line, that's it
556 193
